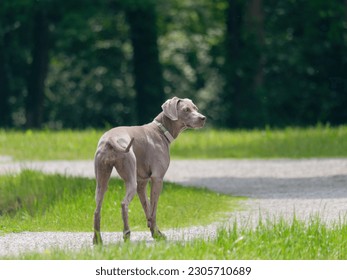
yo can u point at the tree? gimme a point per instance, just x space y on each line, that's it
142 19
38 70
255 26
5 112
232 96
14 41
250 63
90 81
306 51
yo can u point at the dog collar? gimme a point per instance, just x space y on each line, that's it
165 131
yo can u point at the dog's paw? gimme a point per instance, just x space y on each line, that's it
126 235
158 235
97 239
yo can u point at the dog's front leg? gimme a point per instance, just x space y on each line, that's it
142 192
157 186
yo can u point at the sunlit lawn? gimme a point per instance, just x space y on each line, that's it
318 142
32 201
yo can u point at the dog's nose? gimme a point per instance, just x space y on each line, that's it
203 118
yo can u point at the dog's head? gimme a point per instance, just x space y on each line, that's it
185 111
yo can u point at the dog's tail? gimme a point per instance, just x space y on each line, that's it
120 144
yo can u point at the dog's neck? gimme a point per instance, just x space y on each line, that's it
174 127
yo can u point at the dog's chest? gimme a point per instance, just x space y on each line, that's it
152 158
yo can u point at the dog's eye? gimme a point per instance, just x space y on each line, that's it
187 109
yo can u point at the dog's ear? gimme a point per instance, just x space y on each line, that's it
170 108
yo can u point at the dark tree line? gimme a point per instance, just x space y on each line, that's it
97 63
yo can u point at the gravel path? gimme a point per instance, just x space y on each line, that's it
274 187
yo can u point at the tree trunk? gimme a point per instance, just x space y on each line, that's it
5 112
255 23
38 71
147 69
232 98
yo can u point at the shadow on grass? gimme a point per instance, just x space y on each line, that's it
33 201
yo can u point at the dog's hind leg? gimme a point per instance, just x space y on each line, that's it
102 173
127 171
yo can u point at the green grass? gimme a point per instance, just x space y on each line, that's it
49 145
318 142
32 201
280 240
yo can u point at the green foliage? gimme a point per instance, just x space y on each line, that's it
289 68
90 80
306 53
32 201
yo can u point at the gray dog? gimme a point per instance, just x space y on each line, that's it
140 153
